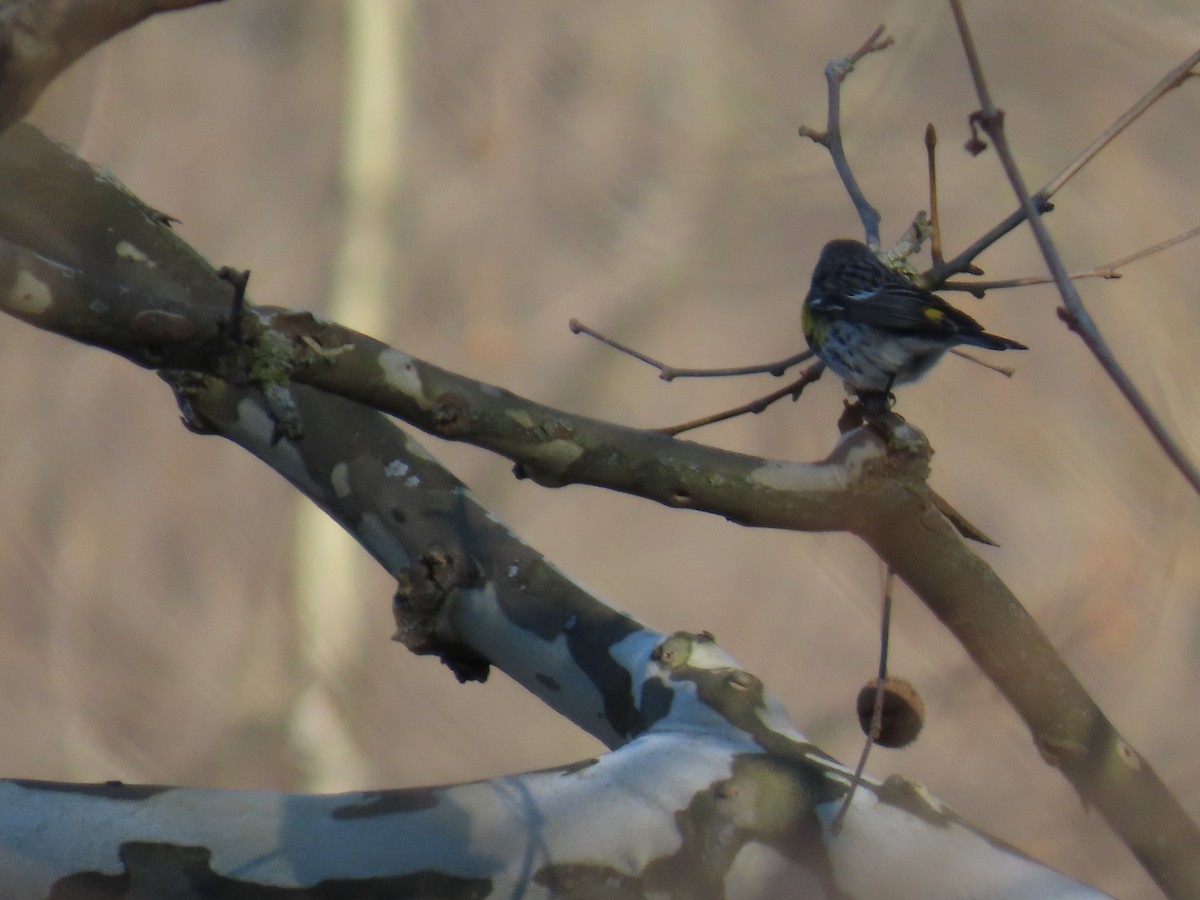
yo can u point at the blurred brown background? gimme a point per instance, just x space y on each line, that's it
634 164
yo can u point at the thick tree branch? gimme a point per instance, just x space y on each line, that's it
719 799
1161 835
867 486
41 38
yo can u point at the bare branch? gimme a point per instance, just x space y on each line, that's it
1041 198
935 225
979 288
40 38
166 310
670 373
1006 371
811 374
831 137
1149 251
1166 84
1165 841
964 261
1109 270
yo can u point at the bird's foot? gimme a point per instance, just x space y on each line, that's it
873 409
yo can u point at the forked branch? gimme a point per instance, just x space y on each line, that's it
1164 839
1041 198
831 138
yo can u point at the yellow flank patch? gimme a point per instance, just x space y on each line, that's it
933 314
812 326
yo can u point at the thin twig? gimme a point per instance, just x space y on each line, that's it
1152 249
670 373
1107 270
1074 314
1006 371
856 778
885 634
935 226
964 262
811 374
1166 849
885 630
1173 79
1166 84
978 288
237 307
831 137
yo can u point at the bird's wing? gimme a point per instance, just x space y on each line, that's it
904 307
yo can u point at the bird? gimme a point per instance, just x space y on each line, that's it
875 329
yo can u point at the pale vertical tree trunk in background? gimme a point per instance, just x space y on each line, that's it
328 567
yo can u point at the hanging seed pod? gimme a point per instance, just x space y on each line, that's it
903 712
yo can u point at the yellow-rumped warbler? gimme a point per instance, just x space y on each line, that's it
876 329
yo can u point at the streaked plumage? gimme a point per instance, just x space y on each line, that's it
876 329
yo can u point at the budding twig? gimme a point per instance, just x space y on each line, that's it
935 225
1041 198
831 138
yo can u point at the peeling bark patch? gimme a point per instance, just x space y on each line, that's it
521 417
655 702
674 651
388 803
422 591
793 476
914 800
736 695
134 254
451 415
465 662
108 790
339 480
29 294
765 801
554 457
580 881
1128 755
400 372
590 630
185 873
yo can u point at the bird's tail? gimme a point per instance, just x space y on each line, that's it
990 341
